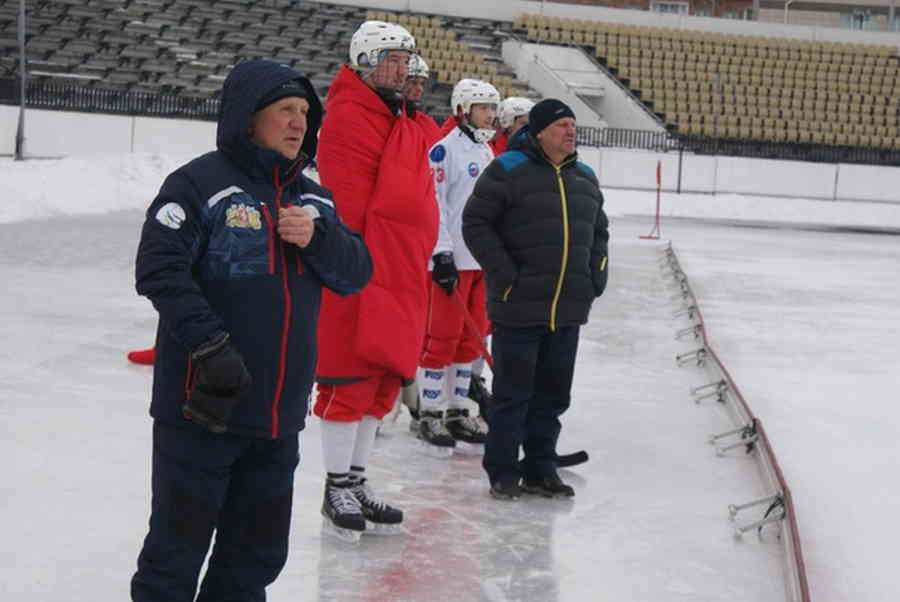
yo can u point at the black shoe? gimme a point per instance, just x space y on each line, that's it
551 486
506 489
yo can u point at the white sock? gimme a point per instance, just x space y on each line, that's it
459 379
362 447
431 389
338 441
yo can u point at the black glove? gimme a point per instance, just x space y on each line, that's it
220 379
444 272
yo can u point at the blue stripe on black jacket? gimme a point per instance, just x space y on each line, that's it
210 259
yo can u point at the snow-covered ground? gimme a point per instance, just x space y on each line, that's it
805 320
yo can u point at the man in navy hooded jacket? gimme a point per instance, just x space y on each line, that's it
234 253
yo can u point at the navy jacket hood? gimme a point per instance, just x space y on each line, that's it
244 87
519 139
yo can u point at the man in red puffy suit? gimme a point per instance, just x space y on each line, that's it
374 159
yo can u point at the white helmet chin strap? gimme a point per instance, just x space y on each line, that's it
483 134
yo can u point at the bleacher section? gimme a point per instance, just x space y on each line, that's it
745 87
187 47
183 46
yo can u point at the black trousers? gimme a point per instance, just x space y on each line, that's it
240 487
533 370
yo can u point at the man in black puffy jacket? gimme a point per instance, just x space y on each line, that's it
234 254
535 223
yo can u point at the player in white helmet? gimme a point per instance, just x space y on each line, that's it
413 92
381 53
511 116
374 158
458 284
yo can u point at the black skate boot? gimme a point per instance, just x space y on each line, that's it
414 421
465 428
551 486
479 394
434 435
506 489
380 517
342 511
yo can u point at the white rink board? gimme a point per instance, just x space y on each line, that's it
775 178
158 135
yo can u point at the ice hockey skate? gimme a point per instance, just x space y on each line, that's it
469 432
342 513
380 518
414 422
436 439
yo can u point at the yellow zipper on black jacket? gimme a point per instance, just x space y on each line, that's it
565 253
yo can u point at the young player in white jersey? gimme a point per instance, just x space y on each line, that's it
457 318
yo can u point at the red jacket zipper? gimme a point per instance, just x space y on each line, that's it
282 360
189 379
270 225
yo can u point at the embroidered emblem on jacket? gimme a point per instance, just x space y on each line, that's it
171 215
242 216
438 153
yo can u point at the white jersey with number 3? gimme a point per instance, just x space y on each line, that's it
456 163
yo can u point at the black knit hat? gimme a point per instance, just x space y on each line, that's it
546 112
288 88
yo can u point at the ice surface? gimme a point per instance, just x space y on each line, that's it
806 322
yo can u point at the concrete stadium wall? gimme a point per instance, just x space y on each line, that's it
509 9
525 59
59 134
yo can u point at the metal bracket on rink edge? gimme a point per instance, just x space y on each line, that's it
748 438
696 331
716 389
690 311
698 356
774 513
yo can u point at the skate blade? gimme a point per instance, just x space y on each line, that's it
384 529
435 451
465 448
340 533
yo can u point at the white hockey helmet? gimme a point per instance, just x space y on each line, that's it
468 92
373 37
512 107
418 67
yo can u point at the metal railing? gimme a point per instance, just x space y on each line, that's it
72 97
625 138
734 147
